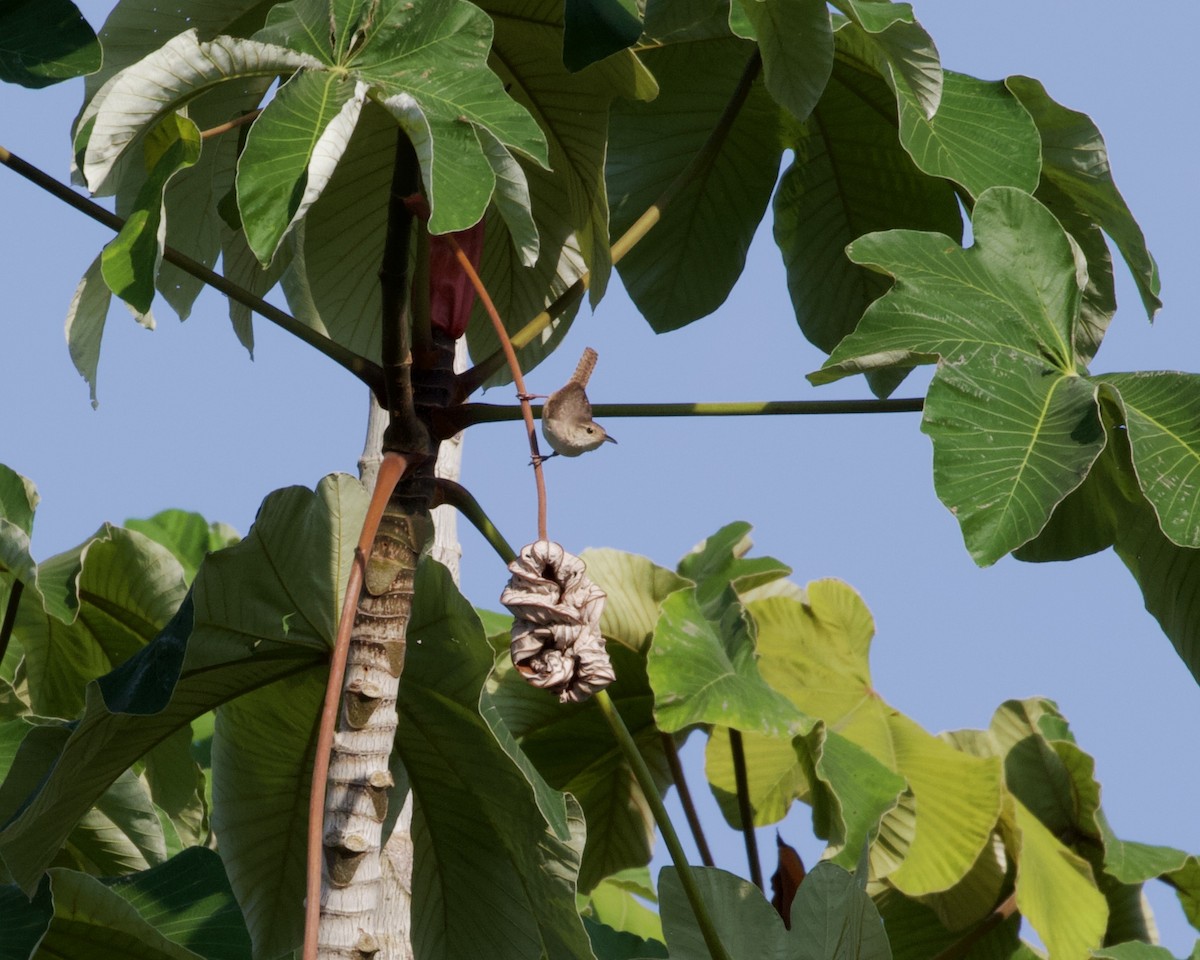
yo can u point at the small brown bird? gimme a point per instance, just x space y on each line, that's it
567 422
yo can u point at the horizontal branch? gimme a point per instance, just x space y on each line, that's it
470 413
367 371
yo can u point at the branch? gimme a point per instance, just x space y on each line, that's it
467 414
685 798
743 800
456 495
390 471
368 372
471 380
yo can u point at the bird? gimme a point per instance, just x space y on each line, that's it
567 422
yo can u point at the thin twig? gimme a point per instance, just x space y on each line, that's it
231 125
464 415
515 369
685 798
390 471
745 813
960 948
471 380
366 370
633 756
10 615
456 495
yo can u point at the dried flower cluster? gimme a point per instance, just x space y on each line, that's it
556 641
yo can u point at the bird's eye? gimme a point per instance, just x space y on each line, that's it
590 430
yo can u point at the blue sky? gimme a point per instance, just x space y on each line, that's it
186 420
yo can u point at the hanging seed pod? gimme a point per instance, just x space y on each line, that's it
556 641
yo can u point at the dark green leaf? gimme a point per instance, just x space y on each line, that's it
610 944
980 137
189 901
904 49
719 562
595 29
485 859
24 920
850 177
45 41
796 40
747 925
834 919
1075 159
688 263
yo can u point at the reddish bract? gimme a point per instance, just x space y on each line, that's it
451 295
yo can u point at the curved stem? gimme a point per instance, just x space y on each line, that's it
390 471
456 495
471 380
10 615
515 369
367 371
746 814
685 799
471 413
687 879
231 125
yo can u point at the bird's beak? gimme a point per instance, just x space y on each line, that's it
610 439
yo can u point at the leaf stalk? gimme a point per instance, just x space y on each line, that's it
641 772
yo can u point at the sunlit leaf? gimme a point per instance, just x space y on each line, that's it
905 48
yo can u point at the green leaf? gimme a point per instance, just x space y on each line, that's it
1162 421
572 110
703 670
189 901
815 653
775 776
264 610
718 563
593 770
165 80
850 177
1015 288
187 535
1056 891
25 920
636 588
1075 159
18 501
1001 316
92 921
610 944
176 785
262 769
595 29
130 260
102 603
485 858
796 40
834 919
1134 951
980 137
904 49
291 153
44 42
1010 443
744 921
617 903
686 265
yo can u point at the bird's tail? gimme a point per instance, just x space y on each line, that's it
587 363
